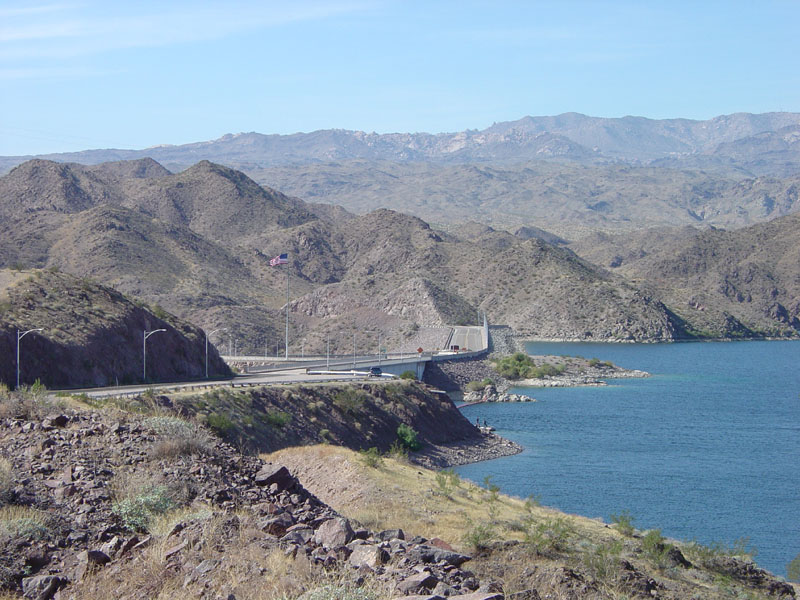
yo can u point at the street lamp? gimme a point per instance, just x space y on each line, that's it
207 336
21 335
146 334
354 351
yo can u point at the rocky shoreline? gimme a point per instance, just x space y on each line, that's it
444 456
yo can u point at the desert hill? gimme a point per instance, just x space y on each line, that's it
746 279
92 335
198 243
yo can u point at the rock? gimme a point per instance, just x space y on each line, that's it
89 560
367 555
390 534
334 533
41 587
277 525
417 582
479 596
281 477
431 554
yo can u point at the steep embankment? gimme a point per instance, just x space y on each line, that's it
92 335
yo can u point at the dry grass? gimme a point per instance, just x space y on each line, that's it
6 480
398 494
22 521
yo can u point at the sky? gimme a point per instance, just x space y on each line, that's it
100 74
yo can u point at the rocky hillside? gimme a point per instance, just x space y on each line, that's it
96 505
139 501
92 335
568 199
198 244
722 283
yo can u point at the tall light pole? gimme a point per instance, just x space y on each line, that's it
379 349
328 359
207 336
354 351
21 335
146 334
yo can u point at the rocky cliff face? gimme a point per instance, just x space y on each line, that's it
92 335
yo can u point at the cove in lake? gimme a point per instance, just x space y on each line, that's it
707 448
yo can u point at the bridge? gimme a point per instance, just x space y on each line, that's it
474 339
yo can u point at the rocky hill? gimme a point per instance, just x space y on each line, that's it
198 243
724 283
92 335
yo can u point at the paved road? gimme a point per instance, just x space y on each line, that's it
467 337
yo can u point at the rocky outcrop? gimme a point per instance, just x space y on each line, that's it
490 394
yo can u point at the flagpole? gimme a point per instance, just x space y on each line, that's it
287 312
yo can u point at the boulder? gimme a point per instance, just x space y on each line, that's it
367 555
417 582
41 587
334 533
280 476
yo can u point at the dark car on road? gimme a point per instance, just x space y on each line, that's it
375 372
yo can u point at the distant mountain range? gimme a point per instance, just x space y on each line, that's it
737 142
569 174
198 243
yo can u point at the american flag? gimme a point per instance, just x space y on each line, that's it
279 260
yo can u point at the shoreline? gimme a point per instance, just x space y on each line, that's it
465 452
521 338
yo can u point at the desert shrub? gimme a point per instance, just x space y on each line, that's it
341 591
705 552
410 375
408 437
447 481
520 365
371 457
593 362
550 535
6 481
623 522
277 418
325 435
478 536
23 521
602 560
398 452
138 510
655 549
478 386
178 437
221 424
349 400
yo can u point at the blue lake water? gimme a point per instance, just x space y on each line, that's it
708 448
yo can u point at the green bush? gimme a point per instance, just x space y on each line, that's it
408 437
178 437
478 386
655 548
623 522
520 365
478 536
23 521
447 481
221 424
278 419
136 512
6 481
603 560
371 457
410 375
349 400
550 535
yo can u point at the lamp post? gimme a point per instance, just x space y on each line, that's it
146 334
21 335
354 351
328 356
207 336
379 349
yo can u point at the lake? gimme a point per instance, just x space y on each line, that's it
708 448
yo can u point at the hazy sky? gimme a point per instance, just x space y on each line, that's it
78 75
